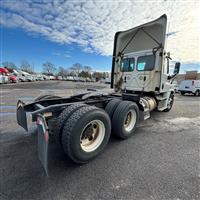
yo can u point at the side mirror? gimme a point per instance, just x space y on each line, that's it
177 67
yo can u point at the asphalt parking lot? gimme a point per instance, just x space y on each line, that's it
161 161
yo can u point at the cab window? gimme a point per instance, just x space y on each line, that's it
145 63
127 64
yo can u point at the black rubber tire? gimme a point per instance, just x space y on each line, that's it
119 117
171 105
182 93
73 128
62 118
111 106
196 93
46 97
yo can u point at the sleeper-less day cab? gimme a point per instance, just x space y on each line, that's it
140 83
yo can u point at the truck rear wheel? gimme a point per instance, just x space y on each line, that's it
124 119
111 106
63 117
86 133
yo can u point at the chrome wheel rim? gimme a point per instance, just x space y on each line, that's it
169 105
92 135
130 120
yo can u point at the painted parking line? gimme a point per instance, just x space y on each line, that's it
7 113
4 91
8 107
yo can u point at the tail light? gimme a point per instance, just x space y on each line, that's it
192 82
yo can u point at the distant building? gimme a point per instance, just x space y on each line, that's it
189 75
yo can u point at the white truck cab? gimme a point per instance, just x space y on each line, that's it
141 63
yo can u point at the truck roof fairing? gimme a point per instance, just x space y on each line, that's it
146 36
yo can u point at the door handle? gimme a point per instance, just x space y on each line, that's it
125 79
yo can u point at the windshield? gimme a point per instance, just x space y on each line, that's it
145 63
127 64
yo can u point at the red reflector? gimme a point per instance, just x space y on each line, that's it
38 121
46 136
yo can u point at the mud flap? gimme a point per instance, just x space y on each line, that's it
21 115
43 142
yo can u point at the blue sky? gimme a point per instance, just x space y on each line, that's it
18 45
65 32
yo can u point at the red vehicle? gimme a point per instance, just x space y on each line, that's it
3 71
12 78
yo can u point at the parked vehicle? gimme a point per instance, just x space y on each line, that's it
190 87
76 79
46 77
4 72
59 78
108 81
1 79
12 78
28 77
88 80
4 79
39 77
82 79
52 78
70 78
22 78
140 83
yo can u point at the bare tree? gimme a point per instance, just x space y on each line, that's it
26 67
9 65
88 69
49 68
76 68
98 75
62 72
86 72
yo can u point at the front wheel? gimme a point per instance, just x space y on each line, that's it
196 93
170 103
86 133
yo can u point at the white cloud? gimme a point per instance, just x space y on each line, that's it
65 54
92 24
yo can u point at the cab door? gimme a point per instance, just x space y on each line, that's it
145 69
128 72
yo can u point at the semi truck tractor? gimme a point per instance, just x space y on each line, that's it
140 83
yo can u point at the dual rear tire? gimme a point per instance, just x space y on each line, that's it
124 116
84 132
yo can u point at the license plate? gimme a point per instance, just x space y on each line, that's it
43 142
186 87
